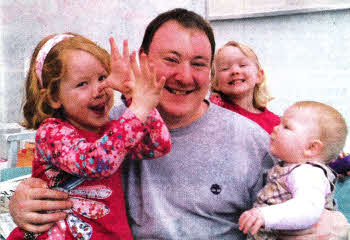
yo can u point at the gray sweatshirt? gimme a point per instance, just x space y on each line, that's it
199 190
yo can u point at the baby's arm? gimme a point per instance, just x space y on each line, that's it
60 144
309 187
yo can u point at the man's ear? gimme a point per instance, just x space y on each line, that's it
315 148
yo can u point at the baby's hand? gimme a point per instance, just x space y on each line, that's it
119 78
146 88
251 220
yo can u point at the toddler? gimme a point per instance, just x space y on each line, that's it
78 150
239 84
298 189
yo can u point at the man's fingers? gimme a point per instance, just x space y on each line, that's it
46 205
32 183
36 218
44 193
37 228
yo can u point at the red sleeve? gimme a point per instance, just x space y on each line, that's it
59 144
156 142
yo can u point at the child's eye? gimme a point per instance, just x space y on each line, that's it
243 65
81 84
102 77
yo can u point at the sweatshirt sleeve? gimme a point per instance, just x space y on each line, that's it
309 187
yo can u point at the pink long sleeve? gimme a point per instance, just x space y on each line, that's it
60 144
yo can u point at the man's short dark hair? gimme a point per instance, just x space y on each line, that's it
186 18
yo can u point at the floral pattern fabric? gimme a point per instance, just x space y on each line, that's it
62 152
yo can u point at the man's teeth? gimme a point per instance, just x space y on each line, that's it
178 92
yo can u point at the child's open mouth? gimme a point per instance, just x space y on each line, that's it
99 109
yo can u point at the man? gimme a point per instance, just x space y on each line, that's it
218 158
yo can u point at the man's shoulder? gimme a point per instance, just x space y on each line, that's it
116 111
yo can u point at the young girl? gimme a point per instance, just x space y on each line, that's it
238 84
78 149
301 186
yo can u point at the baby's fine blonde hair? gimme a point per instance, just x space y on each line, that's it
332 126
261 94
36 100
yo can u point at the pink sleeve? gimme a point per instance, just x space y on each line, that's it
156 142
60 145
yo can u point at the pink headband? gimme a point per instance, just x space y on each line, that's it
45 49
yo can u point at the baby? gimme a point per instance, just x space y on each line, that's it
298 188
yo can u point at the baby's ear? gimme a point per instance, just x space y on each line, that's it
314 148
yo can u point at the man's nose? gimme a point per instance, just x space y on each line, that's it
184 73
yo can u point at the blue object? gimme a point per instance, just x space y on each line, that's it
10 173
342 193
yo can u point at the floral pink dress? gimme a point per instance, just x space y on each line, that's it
64 152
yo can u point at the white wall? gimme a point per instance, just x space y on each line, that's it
305 56
23 23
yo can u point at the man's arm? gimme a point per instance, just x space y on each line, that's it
332 225
26 205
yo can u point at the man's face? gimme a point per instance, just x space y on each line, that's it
183 56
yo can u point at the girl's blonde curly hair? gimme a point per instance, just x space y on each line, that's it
261 93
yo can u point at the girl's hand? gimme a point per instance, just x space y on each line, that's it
119 78
146 89
26 205
251 220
